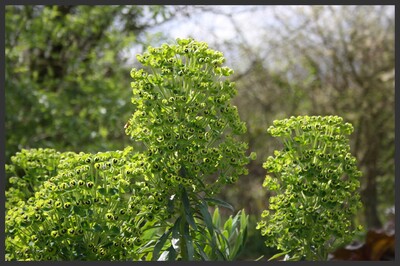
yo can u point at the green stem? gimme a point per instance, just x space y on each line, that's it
182 225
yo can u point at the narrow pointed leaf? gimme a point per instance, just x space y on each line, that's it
207 217
220 255
278 255
220 203
171 254
160 244
146 248
175 228
201 252
164 256
235 221
188 211
242 237
216 218
228 225
188 242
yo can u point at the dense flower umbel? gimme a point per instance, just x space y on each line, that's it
185 118
316 182
29 168
94 208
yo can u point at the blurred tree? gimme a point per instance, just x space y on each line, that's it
321 60
67 74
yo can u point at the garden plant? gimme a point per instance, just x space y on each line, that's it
151 205
157 204
315 184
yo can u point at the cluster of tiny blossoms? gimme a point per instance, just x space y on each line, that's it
316 182
29 168
185 118
69 206
94 207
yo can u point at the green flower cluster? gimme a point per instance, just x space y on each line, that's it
316 182
29 168
184 117
114 205
96 207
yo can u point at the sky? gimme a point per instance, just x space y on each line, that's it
216 27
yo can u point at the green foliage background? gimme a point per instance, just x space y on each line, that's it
67 75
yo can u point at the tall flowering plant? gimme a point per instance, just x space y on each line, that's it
186 120
315 185
152 205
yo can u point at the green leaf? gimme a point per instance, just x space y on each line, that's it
242 235
188 242
243 220
203 208
175 228
149 233
220 255
175 236
146 248
235 221
228 225
188 211
208 240
243 238
225 233
220 203
210 251
160 243
148 256
278 255
223 241
171 254
201 252
239 243
163 256
190 220
216 218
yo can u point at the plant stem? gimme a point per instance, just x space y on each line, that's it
182 240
